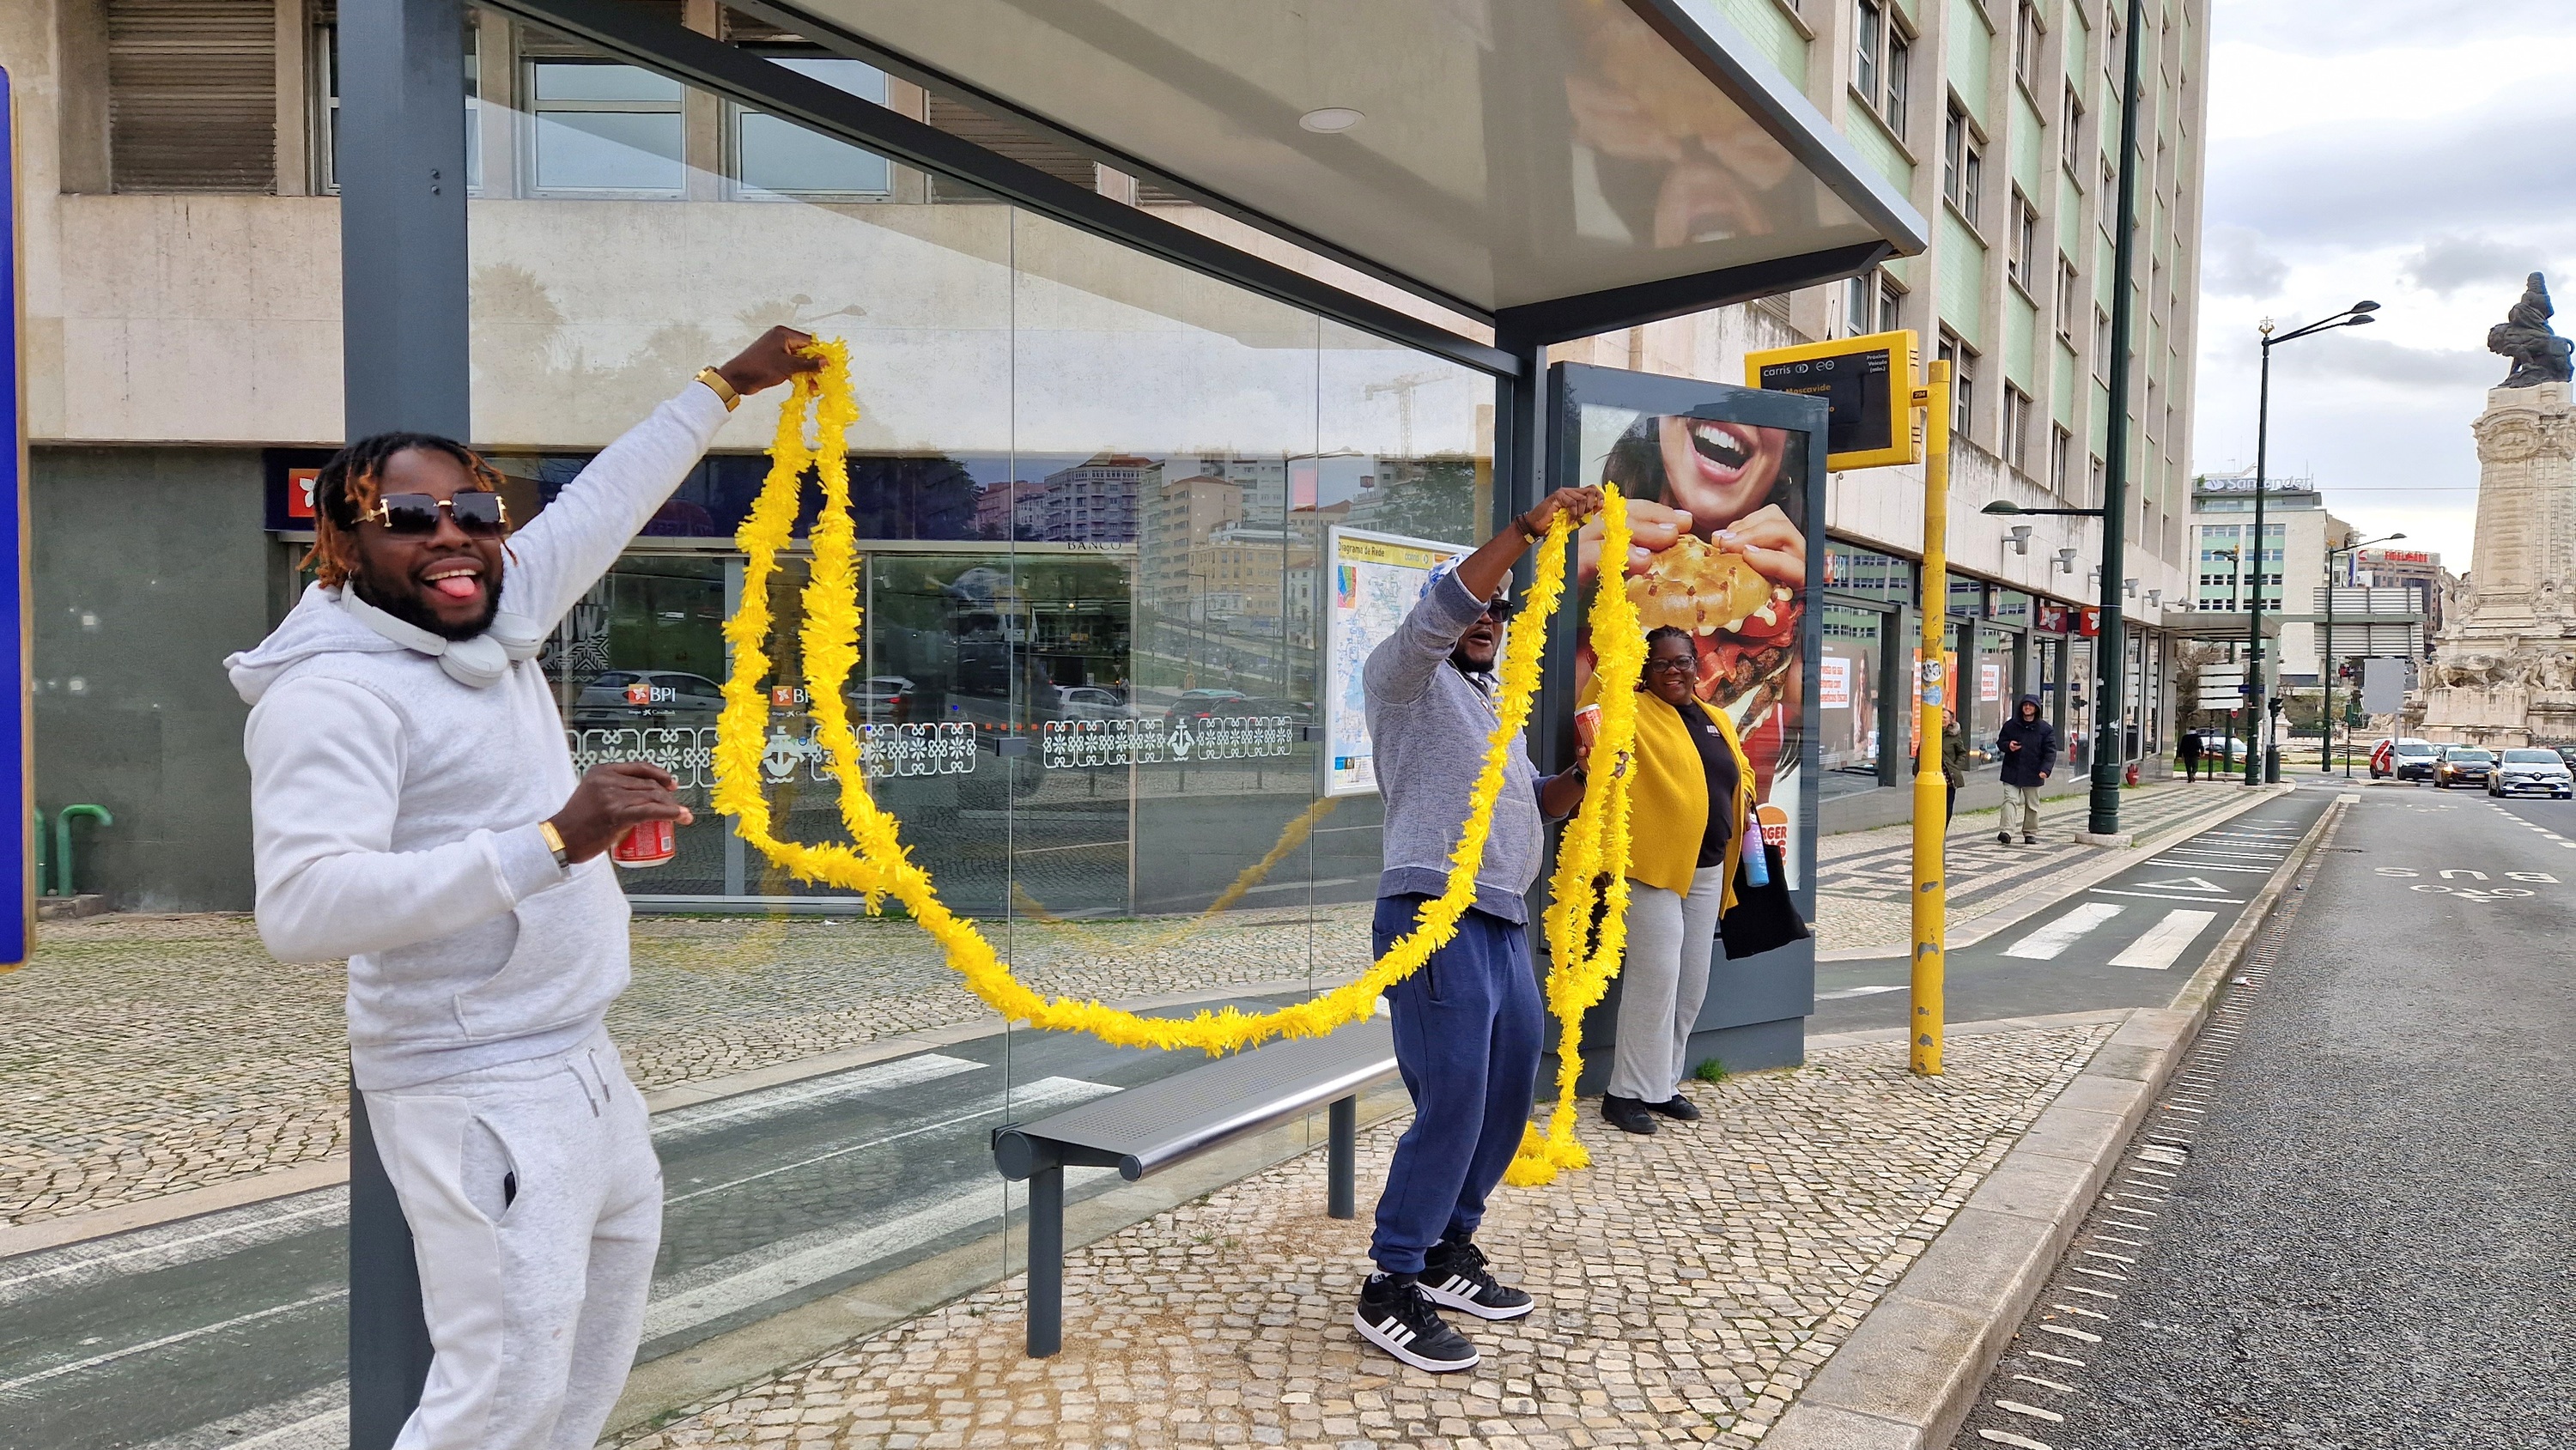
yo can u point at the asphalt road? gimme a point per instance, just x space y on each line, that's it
2347 1225
231 1329
2131 940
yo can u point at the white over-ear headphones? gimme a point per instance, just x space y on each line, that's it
481 661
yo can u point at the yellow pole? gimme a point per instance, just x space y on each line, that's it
1931 902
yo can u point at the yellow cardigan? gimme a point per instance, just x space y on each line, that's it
1668 806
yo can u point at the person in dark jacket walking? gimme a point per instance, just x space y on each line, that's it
2189 750
1954 763
2028 745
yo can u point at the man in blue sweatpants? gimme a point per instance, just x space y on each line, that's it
1468 1025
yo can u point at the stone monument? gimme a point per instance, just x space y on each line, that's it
2504 670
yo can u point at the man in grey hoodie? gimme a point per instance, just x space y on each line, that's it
414 809
1468 1024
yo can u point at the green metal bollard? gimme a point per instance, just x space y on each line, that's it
63 842
43 853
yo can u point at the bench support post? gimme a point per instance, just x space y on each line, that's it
1342 1196
1046 1261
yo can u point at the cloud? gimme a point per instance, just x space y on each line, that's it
2360 185
2233 263
2356 26
2447 263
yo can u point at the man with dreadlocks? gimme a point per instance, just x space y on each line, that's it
1467 1024
414 809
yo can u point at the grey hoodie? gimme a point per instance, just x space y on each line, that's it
394 811
1428 726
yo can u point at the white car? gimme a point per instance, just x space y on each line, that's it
2523 770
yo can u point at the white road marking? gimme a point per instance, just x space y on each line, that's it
2156 951
2169 896
2080 1309
1859 992
165 1341
2182 883
2096 1293
2032 1379
1044 1090
2226 855
878 1077
2064 1332
2034 1411
184 1242
2050 941
2104 1238
2102 1274
2212 866
2107 1254
2006 1437
2053 1358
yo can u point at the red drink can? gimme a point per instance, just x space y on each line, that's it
653 843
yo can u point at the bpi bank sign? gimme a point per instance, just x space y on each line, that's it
17 733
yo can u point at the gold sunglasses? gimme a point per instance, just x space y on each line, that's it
478 512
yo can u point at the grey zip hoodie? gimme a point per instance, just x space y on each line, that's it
1428 725
394 811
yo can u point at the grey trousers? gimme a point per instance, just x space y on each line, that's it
2023 799
1671 938
535 1205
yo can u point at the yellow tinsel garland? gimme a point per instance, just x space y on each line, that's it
878 863
1591 861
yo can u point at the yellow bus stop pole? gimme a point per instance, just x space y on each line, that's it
1931 904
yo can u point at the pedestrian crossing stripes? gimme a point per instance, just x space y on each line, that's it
2052 940
2165 940
2155 950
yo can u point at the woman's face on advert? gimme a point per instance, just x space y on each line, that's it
1718 472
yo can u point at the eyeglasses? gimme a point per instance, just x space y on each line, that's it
1682 662
1499 607
478 512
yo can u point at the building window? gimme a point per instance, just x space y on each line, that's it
1963 383
2070 130
1882 56
2016 429
2101 343
325 112
2024 240
779 157
1963 163
2026 38
2061 445
2067 293
603 128
2094 489
1870 304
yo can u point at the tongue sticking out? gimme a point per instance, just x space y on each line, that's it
458 586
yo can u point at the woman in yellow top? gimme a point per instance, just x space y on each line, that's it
1693 794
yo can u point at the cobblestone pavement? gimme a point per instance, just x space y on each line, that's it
1866 877
1688 1284
145 1055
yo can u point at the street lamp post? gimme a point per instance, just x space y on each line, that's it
2326 663
2257 763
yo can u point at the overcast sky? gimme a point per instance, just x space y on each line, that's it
2417 153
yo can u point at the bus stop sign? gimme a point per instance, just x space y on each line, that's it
1868 387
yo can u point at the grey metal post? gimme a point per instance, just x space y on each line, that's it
1341 1194
1046 1261
401 169
2111 737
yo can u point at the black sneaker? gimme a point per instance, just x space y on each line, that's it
2003 838
1627 1115
1454 1277
1394 1316
1677 1107
2029 840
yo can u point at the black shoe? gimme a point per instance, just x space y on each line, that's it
1395 1316
1454 1277
2029 840
2003 838
1627 1114
1678 1108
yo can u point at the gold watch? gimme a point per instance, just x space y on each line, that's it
716 383
555 843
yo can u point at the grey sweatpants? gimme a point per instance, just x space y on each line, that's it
1670 940
535 1205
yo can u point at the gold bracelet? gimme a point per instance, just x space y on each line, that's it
716 383
555 843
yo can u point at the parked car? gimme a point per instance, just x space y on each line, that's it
1089 702
2463 765
2567 753
882 699
2413 759
1199 704
2532 769
620 698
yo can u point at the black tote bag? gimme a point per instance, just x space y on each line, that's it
1763 918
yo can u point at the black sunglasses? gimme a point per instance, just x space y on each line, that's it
478 512
1500 607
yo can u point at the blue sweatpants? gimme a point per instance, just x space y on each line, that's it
1467 1035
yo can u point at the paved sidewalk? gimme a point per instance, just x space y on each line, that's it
1865 878
1688 1286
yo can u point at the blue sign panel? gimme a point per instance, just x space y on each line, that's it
17 716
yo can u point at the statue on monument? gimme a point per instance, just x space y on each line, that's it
2538 354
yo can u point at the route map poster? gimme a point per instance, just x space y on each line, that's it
1371 581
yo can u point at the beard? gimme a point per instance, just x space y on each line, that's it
1477 671
403 603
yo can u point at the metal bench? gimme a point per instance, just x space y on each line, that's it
1144 1130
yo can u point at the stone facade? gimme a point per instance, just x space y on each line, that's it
2505 660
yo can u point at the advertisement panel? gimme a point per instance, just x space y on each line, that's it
1370 582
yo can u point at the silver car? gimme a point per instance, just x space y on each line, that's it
2534 770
